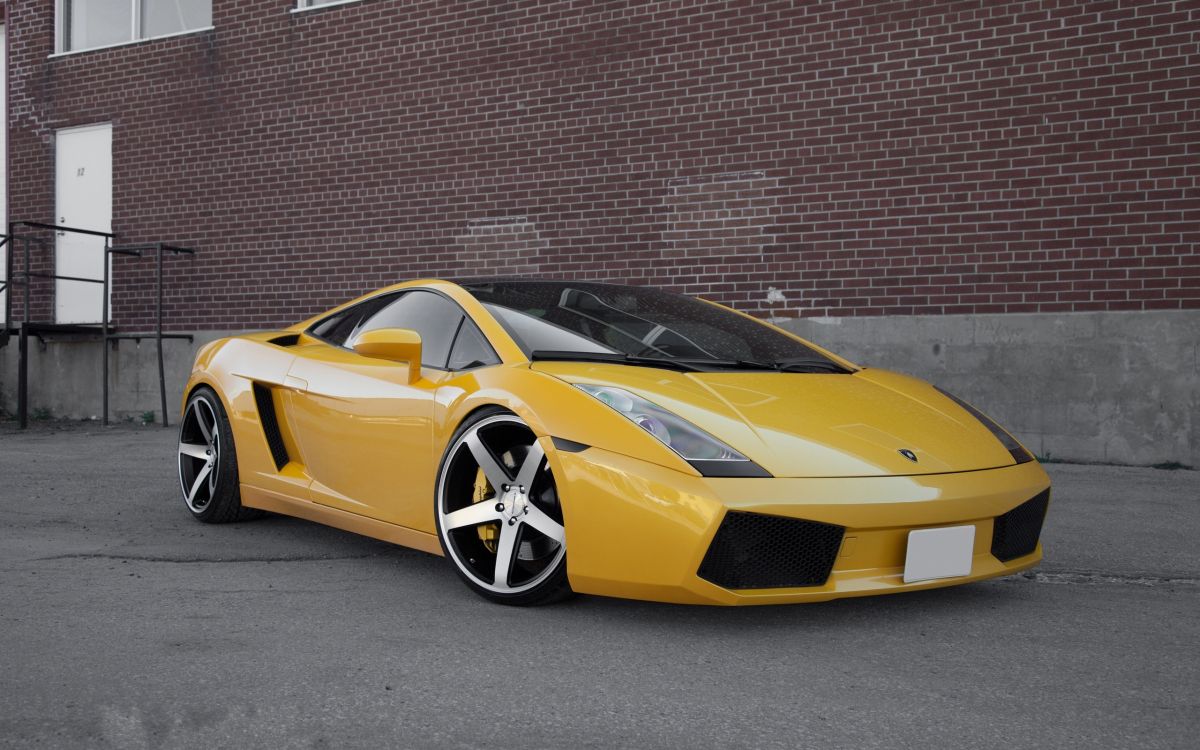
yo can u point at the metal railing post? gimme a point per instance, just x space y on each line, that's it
8 270
104 329
158 332
23 345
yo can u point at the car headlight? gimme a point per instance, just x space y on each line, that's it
709 456
1019 454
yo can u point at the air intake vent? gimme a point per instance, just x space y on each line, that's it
289 339
270 425
1016 533
755 551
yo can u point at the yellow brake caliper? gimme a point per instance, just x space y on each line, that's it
488 532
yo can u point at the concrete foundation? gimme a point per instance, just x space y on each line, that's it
65 383
1107 387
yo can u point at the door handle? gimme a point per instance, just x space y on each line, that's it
295 383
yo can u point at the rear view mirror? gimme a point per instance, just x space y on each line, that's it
395 344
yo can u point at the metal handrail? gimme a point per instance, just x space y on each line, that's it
159 249
60 228
25 282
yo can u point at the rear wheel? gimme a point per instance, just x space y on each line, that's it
498 512
208 474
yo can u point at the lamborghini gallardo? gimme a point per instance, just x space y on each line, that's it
550 437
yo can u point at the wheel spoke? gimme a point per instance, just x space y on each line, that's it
204 429
506 547
539 520
529 469
495 473
216 457
193 450
196 484
472 515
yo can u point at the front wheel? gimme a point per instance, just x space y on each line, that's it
498 513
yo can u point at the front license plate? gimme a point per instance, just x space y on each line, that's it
939 553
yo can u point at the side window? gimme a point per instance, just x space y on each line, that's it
337 328
431 315
470 349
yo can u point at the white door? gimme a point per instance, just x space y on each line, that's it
83 180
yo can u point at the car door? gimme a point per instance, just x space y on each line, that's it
364 430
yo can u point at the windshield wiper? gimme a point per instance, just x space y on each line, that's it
547 355
739 364
691 364
798 364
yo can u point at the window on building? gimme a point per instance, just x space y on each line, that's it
172 16
85 24
302 4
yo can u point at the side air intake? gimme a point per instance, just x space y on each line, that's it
756 551
289 339
270 425
1015 534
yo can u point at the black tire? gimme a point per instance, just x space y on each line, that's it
548 585
217 497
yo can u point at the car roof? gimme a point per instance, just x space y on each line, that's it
530 280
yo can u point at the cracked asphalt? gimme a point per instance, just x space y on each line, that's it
123 623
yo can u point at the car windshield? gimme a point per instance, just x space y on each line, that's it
608 320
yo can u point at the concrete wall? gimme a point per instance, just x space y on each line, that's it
1111 387
64 376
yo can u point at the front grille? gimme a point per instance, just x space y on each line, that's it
1016 533
755 551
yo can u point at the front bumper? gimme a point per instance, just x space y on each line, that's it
640 531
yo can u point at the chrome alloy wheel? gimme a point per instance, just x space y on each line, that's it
199 454
498 509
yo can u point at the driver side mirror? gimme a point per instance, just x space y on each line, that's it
395 344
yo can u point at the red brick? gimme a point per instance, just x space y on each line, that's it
930 158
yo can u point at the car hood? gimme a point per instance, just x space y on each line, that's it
813 425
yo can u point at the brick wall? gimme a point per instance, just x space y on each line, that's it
841 158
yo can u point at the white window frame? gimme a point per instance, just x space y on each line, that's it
307 5
60 30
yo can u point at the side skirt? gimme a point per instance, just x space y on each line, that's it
254 497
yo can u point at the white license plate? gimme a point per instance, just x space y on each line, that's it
939 553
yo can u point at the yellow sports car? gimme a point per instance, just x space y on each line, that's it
555 436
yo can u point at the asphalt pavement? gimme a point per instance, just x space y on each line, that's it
126 624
